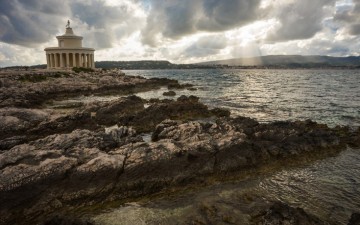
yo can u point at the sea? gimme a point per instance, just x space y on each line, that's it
325 96
328 188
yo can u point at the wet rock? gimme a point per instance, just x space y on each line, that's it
179 86
218 112
67 220
355 219
169 93
280 213
191 98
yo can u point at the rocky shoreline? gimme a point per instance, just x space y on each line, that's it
96 153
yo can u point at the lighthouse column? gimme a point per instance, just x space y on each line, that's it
67 60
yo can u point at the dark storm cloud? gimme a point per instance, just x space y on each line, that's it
223 15
299 20
354 29
96 14
30 22
170 18
178 18
351 18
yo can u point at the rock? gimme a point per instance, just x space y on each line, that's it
33 89
355 219
218 112
182 109
53 162
110 113
280 213
67 220
62 168
169 93
191 98
107 79
166 124
122 135
15 122
179 86
88 167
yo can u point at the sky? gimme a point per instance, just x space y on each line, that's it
181 31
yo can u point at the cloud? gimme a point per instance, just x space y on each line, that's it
227 14
206 46
107 23
350 18
30 22
299 20
33 22
178 18
97 14
182 31
170 19
19 55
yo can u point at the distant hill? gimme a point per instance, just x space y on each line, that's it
298 61
270 61
138 65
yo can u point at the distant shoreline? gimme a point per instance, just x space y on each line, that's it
189 67
260 62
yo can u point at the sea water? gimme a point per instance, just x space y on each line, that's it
329 188
325 96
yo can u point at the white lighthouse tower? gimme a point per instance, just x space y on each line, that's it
69 52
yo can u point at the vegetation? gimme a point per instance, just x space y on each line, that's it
82 69
34 78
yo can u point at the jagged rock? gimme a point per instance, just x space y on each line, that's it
280 213
184 108
34 88
15 122
84 167
111 113
19 119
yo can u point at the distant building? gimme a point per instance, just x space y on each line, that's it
69 52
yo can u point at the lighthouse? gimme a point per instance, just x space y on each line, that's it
69 52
